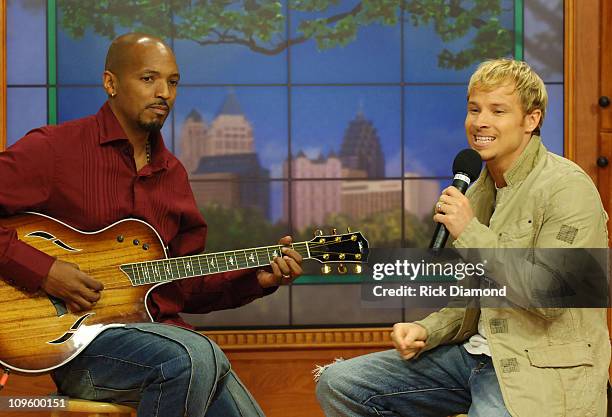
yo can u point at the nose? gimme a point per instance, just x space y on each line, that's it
162 91
482 119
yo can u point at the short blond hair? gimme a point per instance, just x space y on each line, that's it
528 85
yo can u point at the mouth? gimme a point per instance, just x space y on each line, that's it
159 109
480 140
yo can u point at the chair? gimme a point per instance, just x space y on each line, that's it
95 409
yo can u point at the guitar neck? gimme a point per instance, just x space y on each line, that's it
164 270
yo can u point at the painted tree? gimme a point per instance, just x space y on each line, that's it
261 25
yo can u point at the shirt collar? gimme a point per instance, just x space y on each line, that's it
111 131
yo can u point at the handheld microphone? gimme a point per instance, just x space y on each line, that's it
466 169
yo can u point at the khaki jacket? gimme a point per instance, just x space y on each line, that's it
549 362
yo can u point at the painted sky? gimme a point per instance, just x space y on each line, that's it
426 114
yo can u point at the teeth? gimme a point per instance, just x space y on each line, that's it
484 138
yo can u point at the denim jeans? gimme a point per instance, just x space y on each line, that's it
441 382
161 370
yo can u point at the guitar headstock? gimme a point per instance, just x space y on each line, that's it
351 248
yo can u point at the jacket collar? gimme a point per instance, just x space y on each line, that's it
526 162
483 192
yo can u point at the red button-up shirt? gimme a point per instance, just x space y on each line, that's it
83 173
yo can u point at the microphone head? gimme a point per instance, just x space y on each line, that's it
468 162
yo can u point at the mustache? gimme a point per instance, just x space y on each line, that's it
162 103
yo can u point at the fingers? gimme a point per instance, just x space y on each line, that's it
91 283
78 290
78 303
292 253
404 337
276 271
285 268
451 191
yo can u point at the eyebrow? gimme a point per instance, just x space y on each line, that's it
151 71
473 103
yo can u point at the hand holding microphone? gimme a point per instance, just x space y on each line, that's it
453 210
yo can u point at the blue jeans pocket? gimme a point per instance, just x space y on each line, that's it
75 383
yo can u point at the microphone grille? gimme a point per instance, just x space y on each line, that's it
468 162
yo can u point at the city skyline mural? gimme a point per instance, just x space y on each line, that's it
295 115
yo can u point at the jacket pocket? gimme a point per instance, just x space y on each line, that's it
522 230
568 369
561 356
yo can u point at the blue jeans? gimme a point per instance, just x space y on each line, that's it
161 370
441 382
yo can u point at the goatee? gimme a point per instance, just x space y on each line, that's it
151 127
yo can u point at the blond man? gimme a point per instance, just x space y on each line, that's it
493 362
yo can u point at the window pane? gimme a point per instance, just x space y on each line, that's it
80 60
26 109
238 212
434 129
420 195
360 126
272 310
82 43
242 129
318 304
544 38
552 129
372 207
373 56
423 47
26 43
207 59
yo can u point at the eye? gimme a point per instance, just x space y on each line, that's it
499 112
173 83
147 78
473 110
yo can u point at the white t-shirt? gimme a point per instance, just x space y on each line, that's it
477 344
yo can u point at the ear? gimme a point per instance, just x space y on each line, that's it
109 81
532 120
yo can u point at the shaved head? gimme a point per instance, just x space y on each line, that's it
121 51
140 78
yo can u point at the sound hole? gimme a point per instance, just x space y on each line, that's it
60 306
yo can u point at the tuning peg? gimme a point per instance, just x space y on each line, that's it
318 232
348 229
342 269
358 269
326 269
334 231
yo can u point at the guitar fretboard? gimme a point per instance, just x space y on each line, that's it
142 273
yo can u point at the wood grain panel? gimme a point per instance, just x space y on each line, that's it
606 62
581 79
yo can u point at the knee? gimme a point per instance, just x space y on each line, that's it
333 381
208 358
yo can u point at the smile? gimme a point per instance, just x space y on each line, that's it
483 139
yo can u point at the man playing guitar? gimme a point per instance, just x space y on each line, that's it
92 172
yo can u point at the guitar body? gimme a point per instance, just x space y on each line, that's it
38 334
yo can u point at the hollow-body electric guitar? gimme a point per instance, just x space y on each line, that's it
38 333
